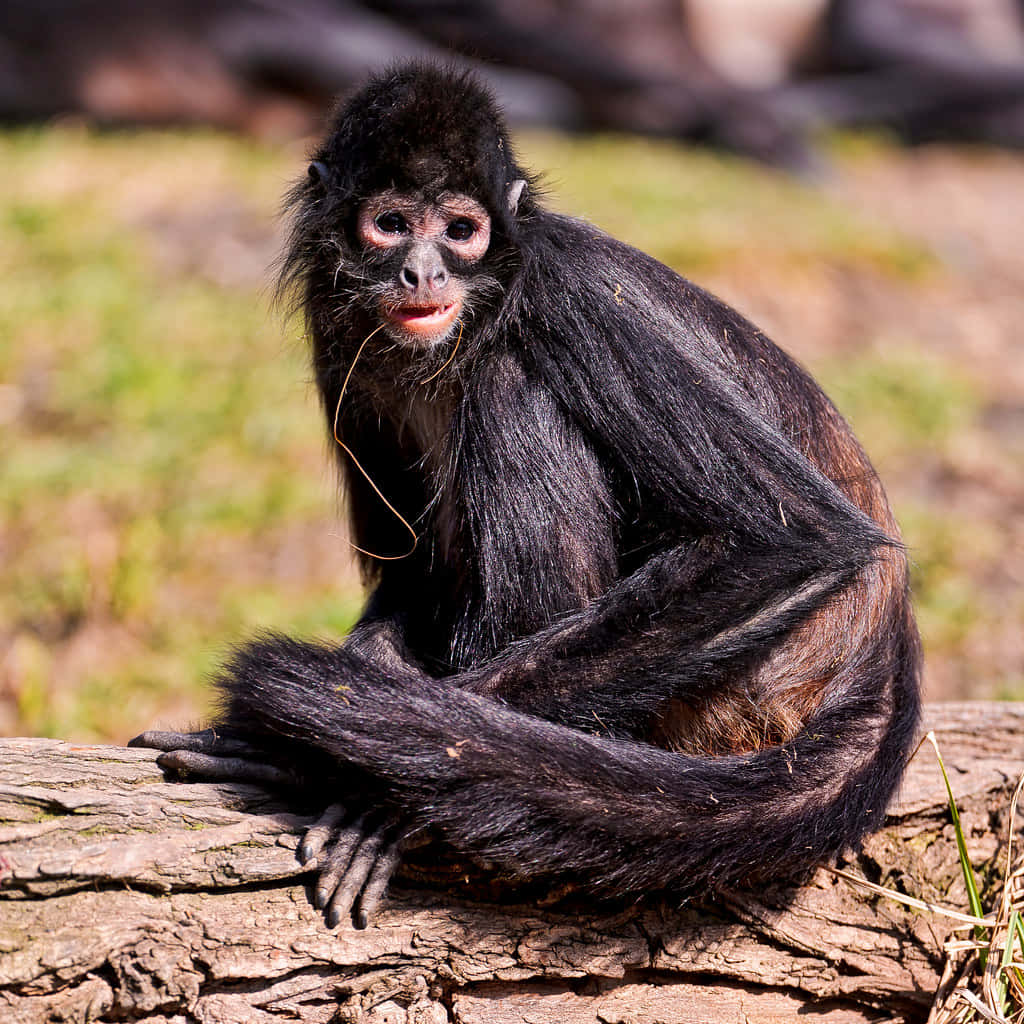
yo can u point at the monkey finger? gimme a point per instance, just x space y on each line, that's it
316 837
208 741
376 885
228 769
358 871
339 857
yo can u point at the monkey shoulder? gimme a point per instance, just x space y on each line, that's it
596 273
619 306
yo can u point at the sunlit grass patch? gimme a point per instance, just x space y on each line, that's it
160 433
901 399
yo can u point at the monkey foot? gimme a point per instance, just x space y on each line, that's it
355 862
210 755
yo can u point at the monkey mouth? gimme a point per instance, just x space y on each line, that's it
428 320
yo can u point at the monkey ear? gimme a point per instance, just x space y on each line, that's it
319 173
514 194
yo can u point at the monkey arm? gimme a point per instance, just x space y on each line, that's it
380 634
540 799
678 628
357 843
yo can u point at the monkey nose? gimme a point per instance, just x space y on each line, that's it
432 277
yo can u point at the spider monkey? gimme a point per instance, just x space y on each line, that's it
639 617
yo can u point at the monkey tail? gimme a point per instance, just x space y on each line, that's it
613 816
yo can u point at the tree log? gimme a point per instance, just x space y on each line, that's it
124 897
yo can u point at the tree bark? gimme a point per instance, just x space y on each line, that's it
124 897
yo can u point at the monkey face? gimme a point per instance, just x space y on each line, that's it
426 251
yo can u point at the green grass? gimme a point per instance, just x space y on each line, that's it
160 433
902 400
165 487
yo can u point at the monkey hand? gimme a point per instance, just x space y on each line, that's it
353 853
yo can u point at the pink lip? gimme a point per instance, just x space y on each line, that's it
425 319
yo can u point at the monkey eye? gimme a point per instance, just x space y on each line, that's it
391 223
461 229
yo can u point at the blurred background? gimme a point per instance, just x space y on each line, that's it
847 173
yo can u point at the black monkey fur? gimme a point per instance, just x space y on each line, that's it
655 633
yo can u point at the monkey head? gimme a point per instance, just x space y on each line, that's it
413 201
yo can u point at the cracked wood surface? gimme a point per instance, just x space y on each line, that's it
125 897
